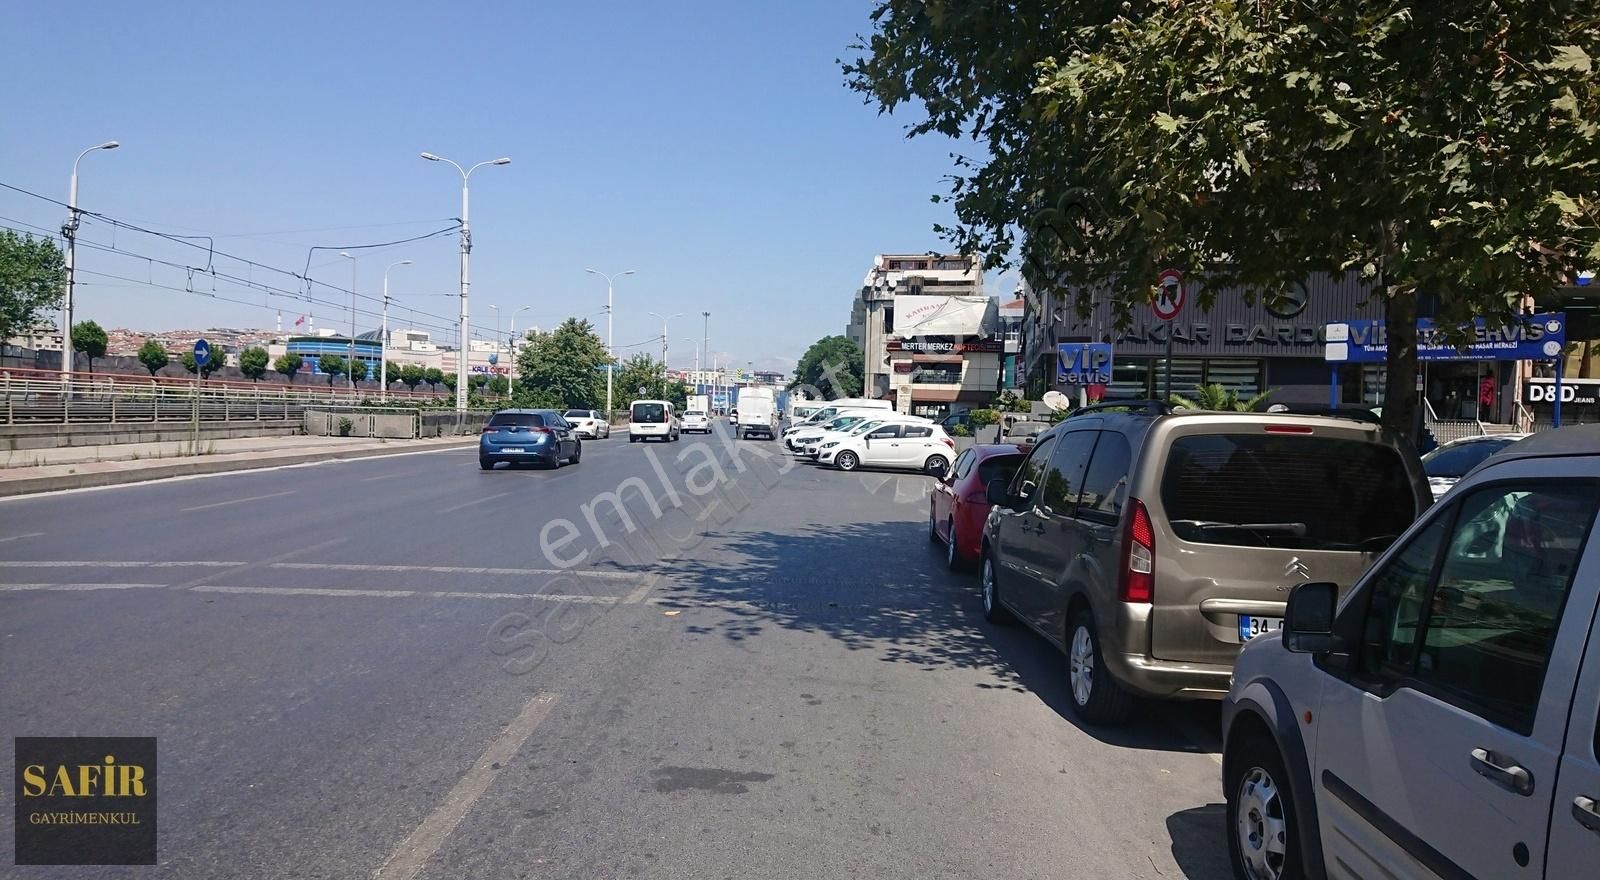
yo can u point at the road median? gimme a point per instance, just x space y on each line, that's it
292 451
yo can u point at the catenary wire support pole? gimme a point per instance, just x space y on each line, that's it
466 272
611 349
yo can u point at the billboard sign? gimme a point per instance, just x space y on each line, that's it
916 315
1530 338
1083 363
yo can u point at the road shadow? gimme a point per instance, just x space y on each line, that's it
1199 842
883 587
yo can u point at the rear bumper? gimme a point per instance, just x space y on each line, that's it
542 452
1168 679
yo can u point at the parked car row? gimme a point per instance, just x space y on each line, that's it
1410 689
848 438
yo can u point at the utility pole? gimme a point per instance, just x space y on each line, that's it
70 233
466 270
383 341
611 349
664 320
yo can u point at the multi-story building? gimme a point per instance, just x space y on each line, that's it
927 333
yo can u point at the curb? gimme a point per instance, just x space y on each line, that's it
60 482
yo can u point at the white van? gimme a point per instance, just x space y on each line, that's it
652 418
757 414
827 410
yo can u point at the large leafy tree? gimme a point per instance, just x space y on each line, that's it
433 376
833 365
289 365
215 364
89 340
357 370
1450 148
253 363
562 368
411 374
32 274
644 371
153 355
332 366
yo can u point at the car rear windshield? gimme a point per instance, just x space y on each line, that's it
645 413
523 420
695 412
1289 491
1002 467
1455 461
577 414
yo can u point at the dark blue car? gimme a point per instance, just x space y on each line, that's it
528 435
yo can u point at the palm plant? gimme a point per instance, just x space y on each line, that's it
1216 397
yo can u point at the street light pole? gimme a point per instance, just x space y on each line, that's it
664 320
466 269
349 371
383 340
511 368
696 343
611 351
70 232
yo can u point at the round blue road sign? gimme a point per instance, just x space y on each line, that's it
202 353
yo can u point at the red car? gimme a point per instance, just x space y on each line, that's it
957 506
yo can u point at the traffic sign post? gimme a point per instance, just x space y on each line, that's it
1171 296
202 357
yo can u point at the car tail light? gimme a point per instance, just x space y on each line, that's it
490 429
950 443
1288 429
1138 555
540 430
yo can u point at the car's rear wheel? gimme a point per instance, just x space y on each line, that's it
847 461
486 463
577 453
993 610
1262 842
952 556
1096 697
933 529
936 465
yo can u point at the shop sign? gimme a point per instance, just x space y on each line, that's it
1083 363
1583 392
938 346
1531 338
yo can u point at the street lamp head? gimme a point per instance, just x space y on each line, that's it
503 160
346 255
592 271
629 272
403 263
430 157
109 145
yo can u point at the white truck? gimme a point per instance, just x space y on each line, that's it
698 403
758 413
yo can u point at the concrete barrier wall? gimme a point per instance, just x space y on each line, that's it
20 437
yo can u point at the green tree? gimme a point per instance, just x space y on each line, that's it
357 370
289 365
642 372
1451 150
450 380
253 363
213 364
1009 401
1216 397
154 356
833 365
395 370
499 385
562 367
982 417
476 381
412 375
332 366
89 339
32 275
433 376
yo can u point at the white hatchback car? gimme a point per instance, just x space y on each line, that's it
1443 720
921 446
695 422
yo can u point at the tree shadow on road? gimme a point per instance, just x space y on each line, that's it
882 587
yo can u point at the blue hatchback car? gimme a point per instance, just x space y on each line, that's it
528 435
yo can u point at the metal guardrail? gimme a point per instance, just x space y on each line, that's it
40 397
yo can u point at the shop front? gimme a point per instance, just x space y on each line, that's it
1274 344
935 376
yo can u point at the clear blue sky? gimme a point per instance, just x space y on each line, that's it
711 146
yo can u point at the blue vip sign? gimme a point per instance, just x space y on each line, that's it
202 353
1529 338
1083 363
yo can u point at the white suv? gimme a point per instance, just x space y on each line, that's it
1444 719
921 446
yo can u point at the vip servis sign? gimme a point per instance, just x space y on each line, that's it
1528 338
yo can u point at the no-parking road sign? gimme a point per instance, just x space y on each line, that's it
1171 295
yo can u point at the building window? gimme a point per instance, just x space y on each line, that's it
1239 375
936 374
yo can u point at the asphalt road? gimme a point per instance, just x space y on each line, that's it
406 667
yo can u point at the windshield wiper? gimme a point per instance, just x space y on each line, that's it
1292 529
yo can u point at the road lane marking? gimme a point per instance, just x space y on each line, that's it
77 587
482 500
304 591
639 595
253 566
234 501
20 537
413 853
456 569
367 593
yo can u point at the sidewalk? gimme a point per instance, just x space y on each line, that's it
84 466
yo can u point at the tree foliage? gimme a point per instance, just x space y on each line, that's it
32 276
357 369
412 375
332 366
1449 148
562 367
89 339
153 355
433 376
833 365
394 370
1216 397
253 363
644 371
288 365
213 364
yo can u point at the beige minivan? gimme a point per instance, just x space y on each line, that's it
1149 546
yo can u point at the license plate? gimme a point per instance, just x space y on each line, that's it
511 449
1250 627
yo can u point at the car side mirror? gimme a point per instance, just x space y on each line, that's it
1308 621
995 492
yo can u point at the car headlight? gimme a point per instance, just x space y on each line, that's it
830 445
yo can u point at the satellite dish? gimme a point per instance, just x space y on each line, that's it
1056 400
